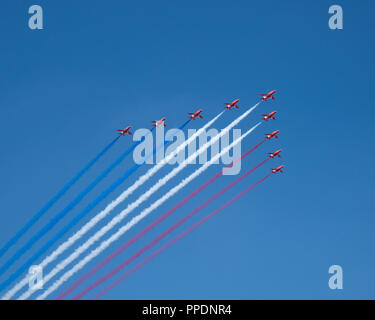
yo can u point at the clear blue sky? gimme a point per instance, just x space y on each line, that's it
98 66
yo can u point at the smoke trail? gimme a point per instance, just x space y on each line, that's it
51 202
89 225
155 223
165 233
186 232
77 218
64 212
144 213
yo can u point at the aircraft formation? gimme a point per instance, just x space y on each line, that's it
228 106
71 242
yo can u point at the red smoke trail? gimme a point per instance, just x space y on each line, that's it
186 232
155 223
165 233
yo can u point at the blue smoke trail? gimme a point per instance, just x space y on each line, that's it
51 202
65 211
72 223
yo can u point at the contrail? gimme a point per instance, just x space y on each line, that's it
55 198
186 232
145 212
164 234
89 225
155 223
77 218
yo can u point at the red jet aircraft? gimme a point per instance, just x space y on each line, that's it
159 123
269 116
196 114
232 104
275 154
278 169
123 131
273 134
268 95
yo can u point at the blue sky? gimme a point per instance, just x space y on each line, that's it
98 67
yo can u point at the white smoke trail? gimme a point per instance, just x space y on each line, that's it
89 225
137 218
117 219
135 204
